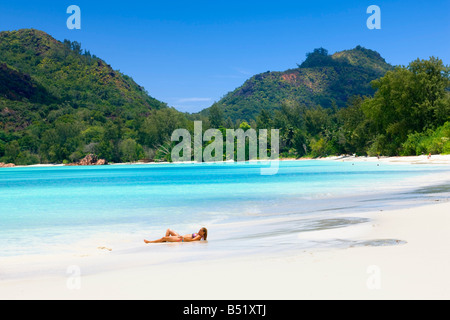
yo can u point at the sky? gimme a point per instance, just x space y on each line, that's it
189 54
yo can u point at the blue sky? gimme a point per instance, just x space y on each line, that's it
191 53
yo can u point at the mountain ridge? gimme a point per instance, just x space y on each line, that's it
59 103
47 61
322 79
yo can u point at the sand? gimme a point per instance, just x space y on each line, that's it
423 159
417 269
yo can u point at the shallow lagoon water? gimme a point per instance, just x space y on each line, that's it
48 210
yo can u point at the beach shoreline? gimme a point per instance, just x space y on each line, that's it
417 268
398 253
422 159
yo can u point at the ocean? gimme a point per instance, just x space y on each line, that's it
52 210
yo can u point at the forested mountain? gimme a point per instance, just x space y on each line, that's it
322 79
406 111
59 102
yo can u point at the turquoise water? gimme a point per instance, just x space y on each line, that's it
45 209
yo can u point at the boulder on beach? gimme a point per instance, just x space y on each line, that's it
7 165
90 160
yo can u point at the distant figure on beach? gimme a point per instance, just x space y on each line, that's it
172 236
429 155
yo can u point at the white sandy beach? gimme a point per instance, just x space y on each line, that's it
417 268
423 159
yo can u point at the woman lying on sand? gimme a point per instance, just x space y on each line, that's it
172 236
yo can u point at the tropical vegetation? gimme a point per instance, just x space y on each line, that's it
59 103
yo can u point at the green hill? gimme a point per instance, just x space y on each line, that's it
59 102
16 86
322 79
71 75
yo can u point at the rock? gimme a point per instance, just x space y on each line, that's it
101 162
7 165
90 160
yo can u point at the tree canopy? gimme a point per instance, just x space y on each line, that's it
59 103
